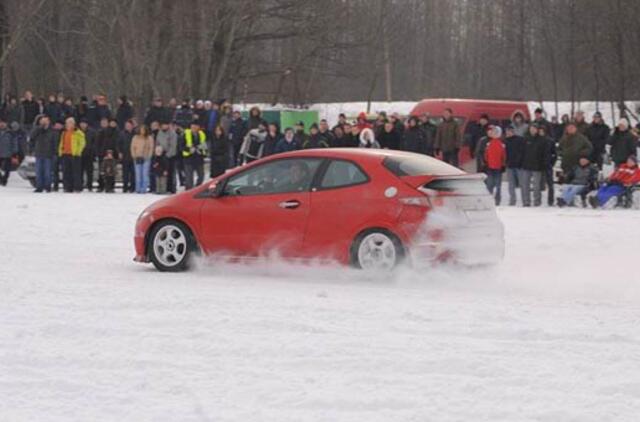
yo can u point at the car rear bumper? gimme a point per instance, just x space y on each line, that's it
477 244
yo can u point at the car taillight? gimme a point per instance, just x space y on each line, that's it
416 201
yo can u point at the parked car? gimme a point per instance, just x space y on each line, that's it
466 112
368 208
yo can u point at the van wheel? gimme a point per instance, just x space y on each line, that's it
171 246
377 249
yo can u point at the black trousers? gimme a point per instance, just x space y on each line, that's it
87 170
128 176
547 180
5 167
171 179
191 164
71 173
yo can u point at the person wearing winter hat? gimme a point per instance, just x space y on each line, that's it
598 133
316 140
573 146
368 139
623 143
495 158
540 120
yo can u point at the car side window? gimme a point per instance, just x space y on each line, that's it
342 173
279 176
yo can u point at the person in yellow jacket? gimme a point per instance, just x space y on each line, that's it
70 147
193 147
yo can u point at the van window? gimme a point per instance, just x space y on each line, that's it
419 165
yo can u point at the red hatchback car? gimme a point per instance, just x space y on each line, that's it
368 208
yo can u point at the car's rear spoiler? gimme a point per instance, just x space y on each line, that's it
418 181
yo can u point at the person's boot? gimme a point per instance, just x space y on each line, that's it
593 201
561 202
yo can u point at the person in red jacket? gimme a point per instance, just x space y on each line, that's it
495 158
628 174
362 122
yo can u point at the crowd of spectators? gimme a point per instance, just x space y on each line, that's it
167 148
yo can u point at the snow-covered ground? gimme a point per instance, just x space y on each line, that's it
552 334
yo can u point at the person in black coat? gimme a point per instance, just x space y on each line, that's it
270 142
288 142
106 140
237 132
389 138
88 153
124 111
550 158
514 146
218 150
533 163
598 133
413 138
339 139
429 130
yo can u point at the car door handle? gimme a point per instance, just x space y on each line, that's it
289 204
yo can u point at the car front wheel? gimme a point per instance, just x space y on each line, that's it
170 246
377 249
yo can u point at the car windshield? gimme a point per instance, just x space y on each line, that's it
419 165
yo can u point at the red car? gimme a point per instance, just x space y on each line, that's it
368 208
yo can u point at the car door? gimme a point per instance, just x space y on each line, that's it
261 211
342 200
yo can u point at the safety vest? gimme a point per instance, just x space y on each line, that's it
188 142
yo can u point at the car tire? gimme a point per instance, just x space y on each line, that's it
377 250
171 246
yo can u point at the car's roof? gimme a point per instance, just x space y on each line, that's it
348 153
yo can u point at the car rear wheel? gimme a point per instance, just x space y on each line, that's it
377 249
171 246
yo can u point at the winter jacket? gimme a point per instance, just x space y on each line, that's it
31 109
515 146
448 136
598 134
190 140
302 138
77 143
157 114
414 140
160 165
544 123
254 121
168 140
572 148
90 143
521 129
368 143
479 153
284 146
316 141
53 110
184 116
535 151
217 146
14 113
429 131
270 144
96 113
475 133
141 147
582 127
339 142
623 145
107 139
8 144
124 113
237 131
551 153
390 140
582 175
44 142
495 155
124 145
201 116
626 175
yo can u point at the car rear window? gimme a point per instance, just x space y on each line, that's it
419 165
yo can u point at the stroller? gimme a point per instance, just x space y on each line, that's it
252 146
